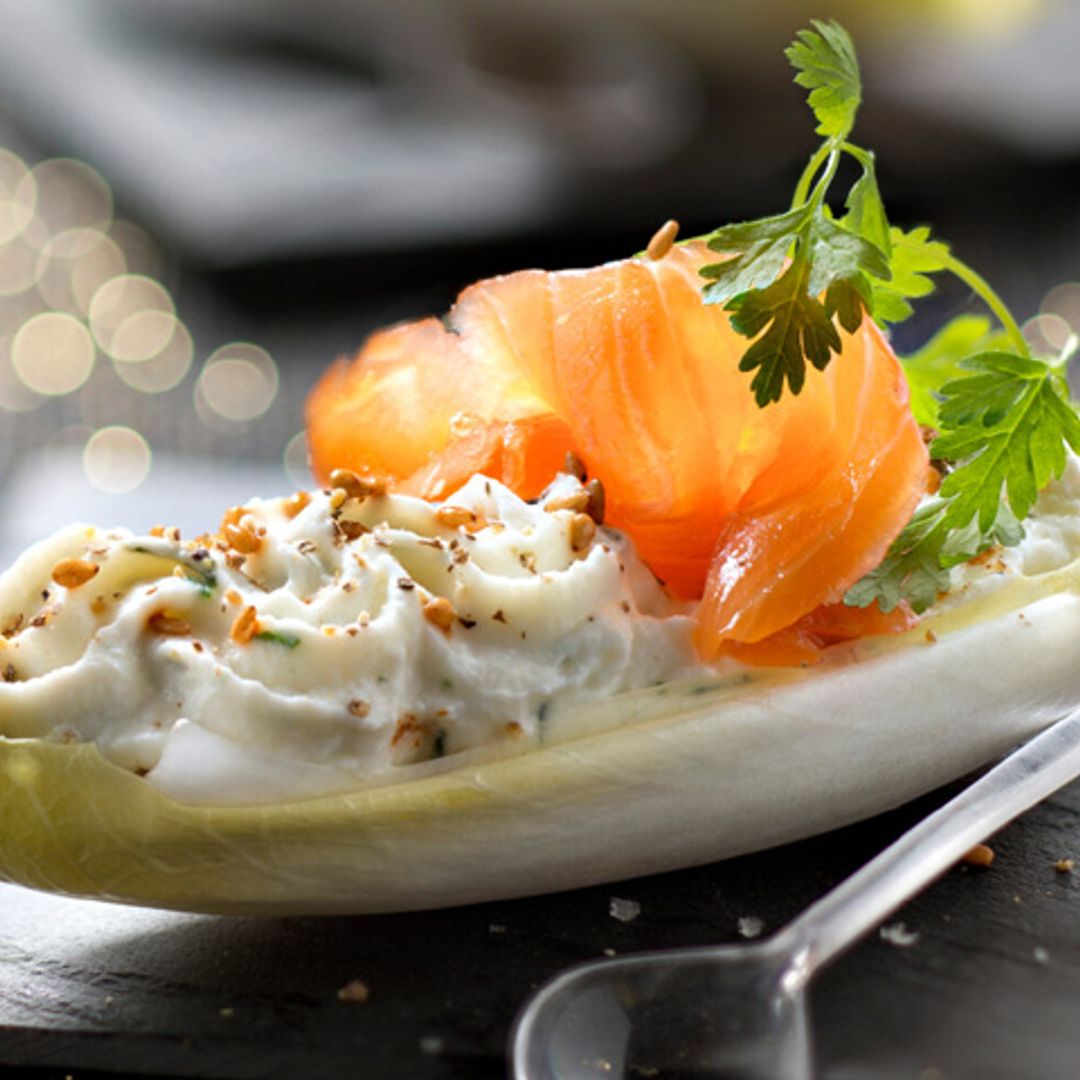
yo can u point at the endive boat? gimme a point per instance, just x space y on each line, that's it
704 766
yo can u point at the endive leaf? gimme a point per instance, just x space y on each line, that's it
750 764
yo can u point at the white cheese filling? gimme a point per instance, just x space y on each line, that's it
316 644
319 643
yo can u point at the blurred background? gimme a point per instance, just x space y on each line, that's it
202 204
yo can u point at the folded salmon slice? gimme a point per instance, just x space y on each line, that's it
765 514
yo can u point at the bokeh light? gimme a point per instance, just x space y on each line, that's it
15 395
142 254
1047 334
19 258
143 335
238 383
70 195
164 370
296 460
1064 301
121 299
52 353
74 265
116 459
18 196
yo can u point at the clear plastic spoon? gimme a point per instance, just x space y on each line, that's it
739 1012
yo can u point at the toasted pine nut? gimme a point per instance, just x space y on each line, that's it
245 626
161 622
576 501
980 855
582 532
662 240
597 500
460 517
440 613
242 538
71 573
295 503
573 465
355 485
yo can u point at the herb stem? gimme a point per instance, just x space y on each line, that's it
813 166
994 302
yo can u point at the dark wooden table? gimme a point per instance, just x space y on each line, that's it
990 988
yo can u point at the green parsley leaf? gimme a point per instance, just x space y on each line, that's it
866 209
917 566
825 60
762 248
911 569
1007 425
828 261
799 329
1004 419
913 255
939 359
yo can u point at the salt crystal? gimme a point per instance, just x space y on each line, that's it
750 926
624 910
898 934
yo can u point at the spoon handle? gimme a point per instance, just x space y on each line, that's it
1028 775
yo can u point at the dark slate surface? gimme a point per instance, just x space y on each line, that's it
991 989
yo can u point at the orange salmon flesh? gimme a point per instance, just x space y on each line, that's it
767 516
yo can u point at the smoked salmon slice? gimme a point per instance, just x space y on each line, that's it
765 514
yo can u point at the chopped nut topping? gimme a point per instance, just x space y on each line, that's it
597 500
295 503
573 465
354 991
242 538
231 516
71 573
406 583
582 532
351 530
440 613
980 855
357 486
162 622
662 240
576 501
245 626
460 517
306 547
499 616
10 674
359 708
408 725
338 498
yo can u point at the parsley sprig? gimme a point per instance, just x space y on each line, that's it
1003 417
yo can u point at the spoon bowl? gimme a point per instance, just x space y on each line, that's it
739 1012
736 1012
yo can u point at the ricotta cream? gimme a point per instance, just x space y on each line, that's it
339 639
326 640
